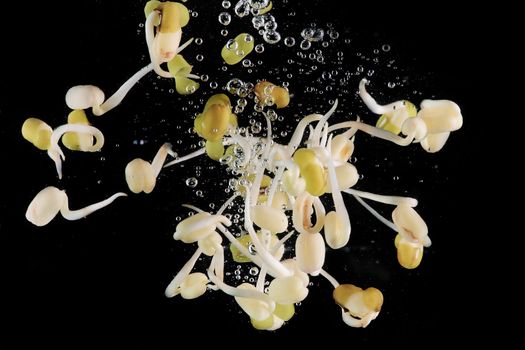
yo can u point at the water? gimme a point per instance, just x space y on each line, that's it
344 60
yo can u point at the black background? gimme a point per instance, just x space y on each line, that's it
100 280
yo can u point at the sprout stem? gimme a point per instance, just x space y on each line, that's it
194 154
392 200
80 213
297 136
329 277
239 292
160 158
55 152
319 127
119 95
376 214
373 131
173 288
371 103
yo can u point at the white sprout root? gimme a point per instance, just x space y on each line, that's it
56 154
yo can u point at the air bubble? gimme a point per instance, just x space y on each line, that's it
271 36
225 18
270 25
305 44
234 85
289 41
232 45
313 34
258 22
192 182
259 4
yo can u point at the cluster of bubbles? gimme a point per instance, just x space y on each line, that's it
317 60
264 23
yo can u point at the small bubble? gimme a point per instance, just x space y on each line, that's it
199 58
205 77
391 84
254 271
385 47
190 88
270 25
258 22
242 102
214 85
289 41
192 182
244 91
305 44
312 34
231 45
225 18
226 4
194 14
234 85
198 41
333 34
271 36
259 4
224 32
259 48
242 8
